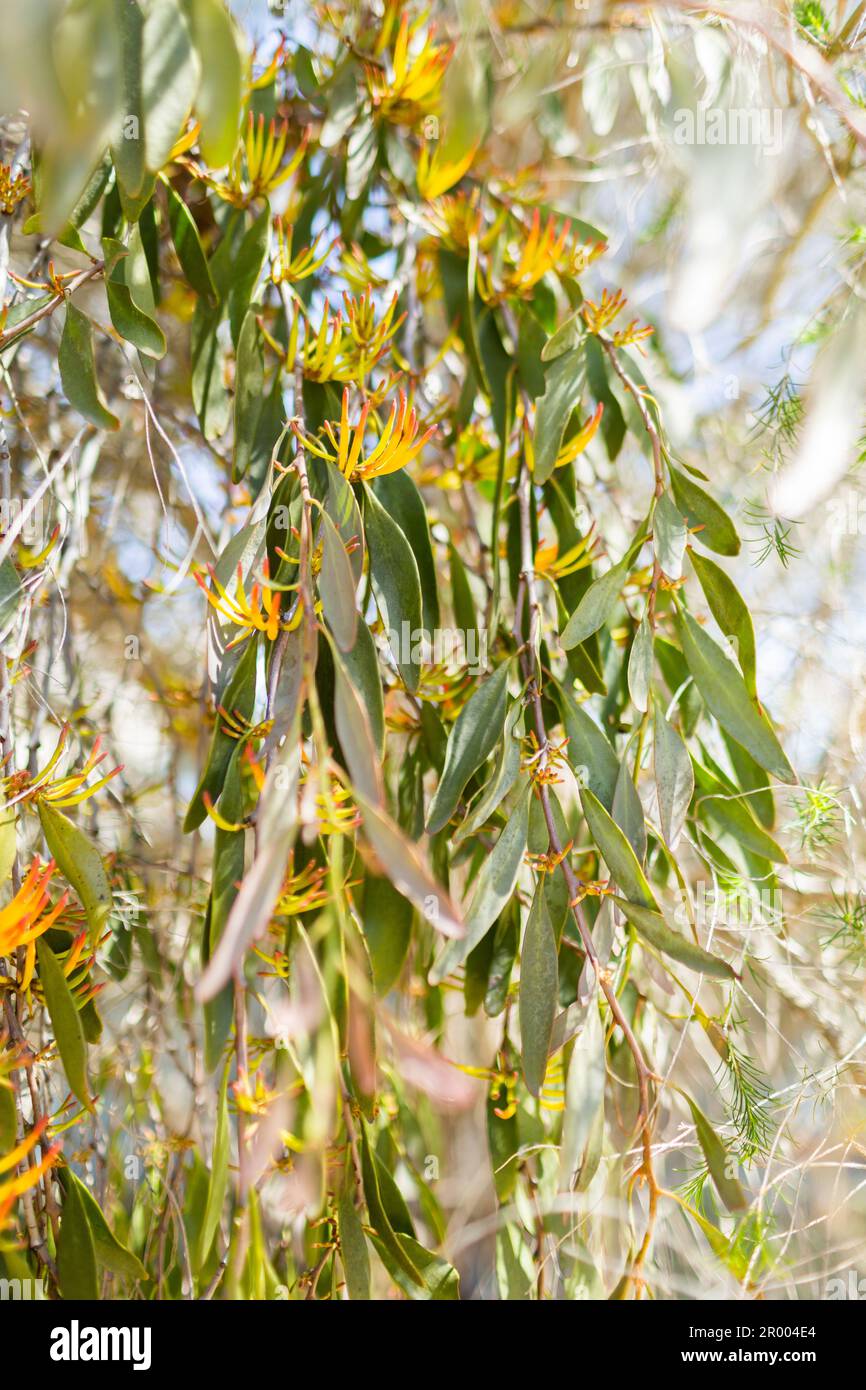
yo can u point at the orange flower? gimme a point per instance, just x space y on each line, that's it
258 613
24 918
12 1188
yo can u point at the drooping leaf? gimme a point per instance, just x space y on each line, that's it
719 1162
219 1173
78 370
596 605
564 381
399 495
353 1249
590 755
76 1254
584 1094
337 587
711 523
476 732
110 1252
220 92
65 1022
640 666
670 534
131 323
539 988
651 925
81 864
495 885
726 696
616 850
730 612
170 76
396 574
249 393
674 777
187 244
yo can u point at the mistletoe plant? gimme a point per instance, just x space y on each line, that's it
473 734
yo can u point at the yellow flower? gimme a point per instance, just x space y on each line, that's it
60 791
12 190
439 172
397 446
411 90
290 269
257 168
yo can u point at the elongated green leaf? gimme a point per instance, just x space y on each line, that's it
188 246
8 1120
8 841
353 1249
590 755
640 666
379 1217
78 370
170 75
110 1252
81 864
562 391
618 853
734 815
219 1174
502 779
476 732
356 736
249 393
596 605
628 813
65 1022
539 990
675 780
387 919
652 926
670 534
399 495
495 885
238 696
407 870
730 612
220 92
725 694
337 587
131 323
246 269
76 1255
127 150
584 1094
721 1165
396 574
715 528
